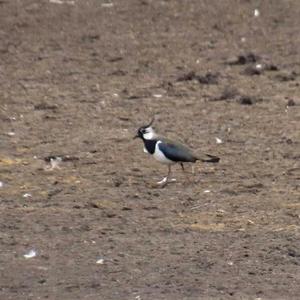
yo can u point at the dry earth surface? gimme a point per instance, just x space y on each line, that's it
77 78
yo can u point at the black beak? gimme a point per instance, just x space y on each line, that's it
135 137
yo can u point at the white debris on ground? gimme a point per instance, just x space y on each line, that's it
100 261
54 164
256 13
62 2
1 184
109 4
195 207
11 133
32 253
218 140
157 95
258 66
27 195
206 191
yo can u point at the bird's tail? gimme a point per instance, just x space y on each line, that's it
210 159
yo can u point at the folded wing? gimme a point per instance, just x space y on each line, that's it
177 152
180 153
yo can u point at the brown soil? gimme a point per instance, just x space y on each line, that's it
77 79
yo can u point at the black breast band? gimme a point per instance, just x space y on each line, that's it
150 145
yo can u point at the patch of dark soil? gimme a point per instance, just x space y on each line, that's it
208 78
291 102
286 76
115 59
248 100
271 67
90 38
252 70
118 73
188 76
244 59
45 106
227 94
78 78
64 158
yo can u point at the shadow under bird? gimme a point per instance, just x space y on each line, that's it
168 152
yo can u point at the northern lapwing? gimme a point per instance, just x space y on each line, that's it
167 151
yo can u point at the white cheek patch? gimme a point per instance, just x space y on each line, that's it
150 134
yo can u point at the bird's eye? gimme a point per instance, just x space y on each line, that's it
143 131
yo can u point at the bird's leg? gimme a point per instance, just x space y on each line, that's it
182 166
166 180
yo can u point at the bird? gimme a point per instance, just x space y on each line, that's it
168 152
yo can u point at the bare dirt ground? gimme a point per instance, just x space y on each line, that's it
78 78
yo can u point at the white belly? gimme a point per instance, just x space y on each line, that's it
158 155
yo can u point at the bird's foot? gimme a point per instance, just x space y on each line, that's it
165 181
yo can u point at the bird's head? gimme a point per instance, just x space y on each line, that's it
146 132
